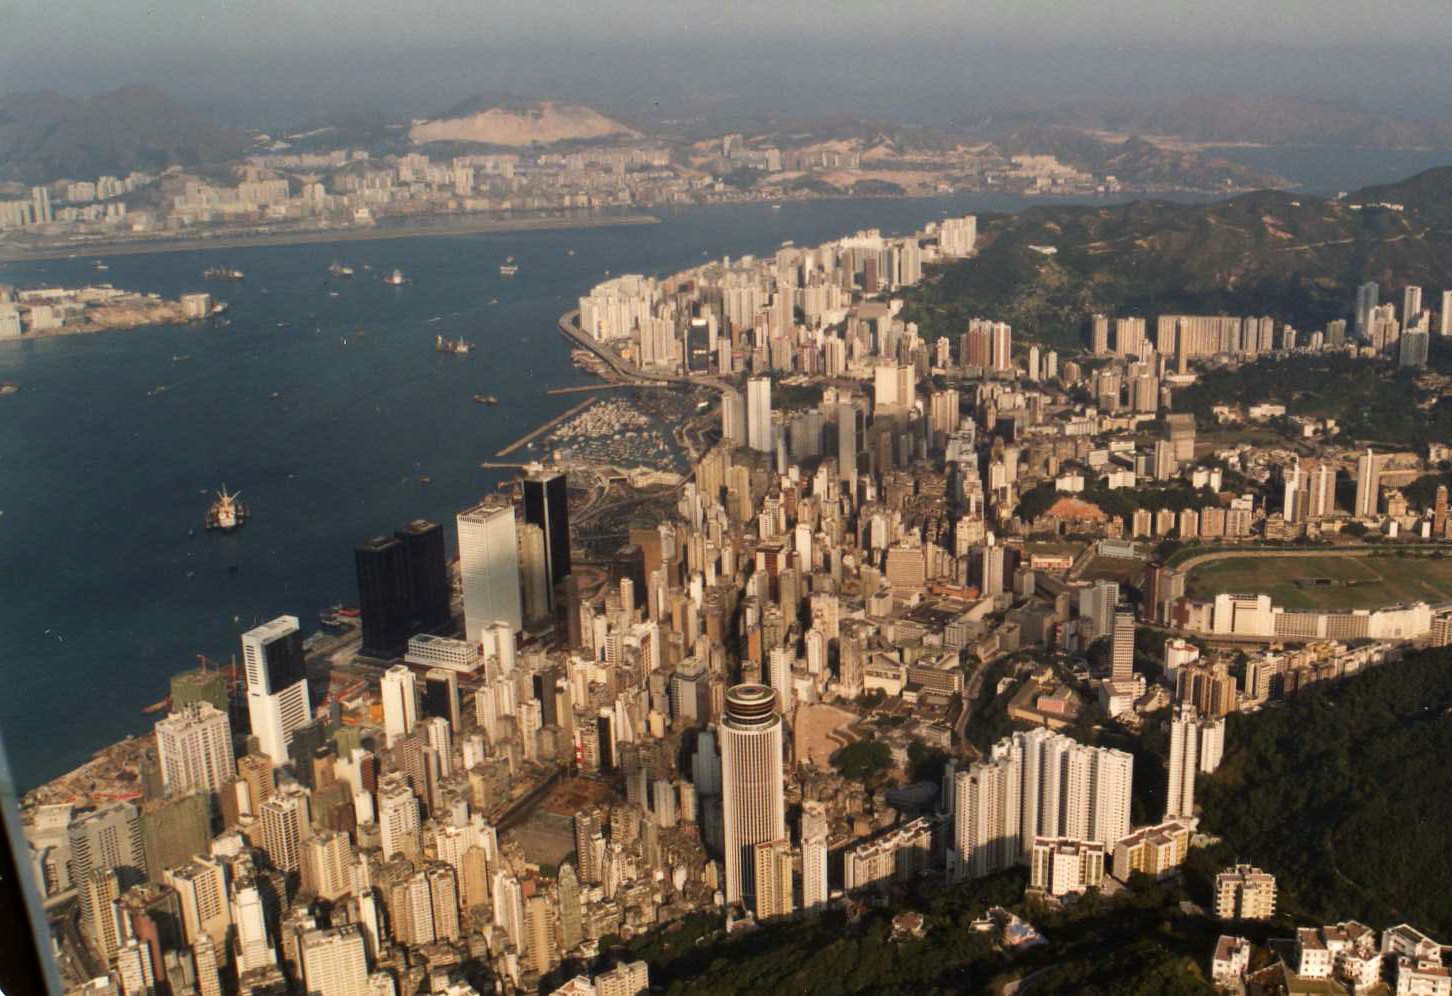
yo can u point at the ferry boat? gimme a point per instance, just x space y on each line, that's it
340 270
101 267
485 399
458 346
508 268
396 279
227 512
222 273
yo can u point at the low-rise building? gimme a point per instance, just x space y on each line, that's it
1245 893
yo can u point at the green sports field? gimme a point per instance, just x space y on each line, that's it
1355 582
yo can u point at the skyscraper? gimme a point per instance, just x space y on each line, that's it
286 820
547 505
277 687
814 854
752 783
383 596
1321 490
194 749
1367 298
1122 655
428 574
106 840
399 693
335 962
1444 327
1196 745
1368 484
758 414
1411 304
489 567
733 419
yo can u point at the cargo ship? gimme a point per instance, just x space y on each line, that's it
227 512
508 268
222 273
485 399
459 346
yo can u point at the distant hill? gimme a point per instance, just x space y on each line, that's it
543 123
1294 257
1136 162
46 135
1268 120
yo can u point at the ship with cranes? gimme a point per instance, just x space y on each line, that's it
227 512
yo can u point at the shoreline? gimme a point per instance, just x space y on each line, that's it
315 236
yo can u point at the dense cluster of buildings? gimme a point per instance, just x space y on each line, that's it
511 766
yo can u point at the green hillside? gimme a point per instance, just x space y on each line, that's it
1294 257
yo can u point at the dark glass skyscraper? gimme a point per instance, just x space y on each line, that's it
546 504
383 596
428 578
403 587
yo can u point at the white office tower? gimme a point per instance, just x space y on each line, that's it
752 783
397 815
957 236
489 567
1038 784
194 750
335 962
758 414
1445 325
1368 484
814 854
251 947
277 687
400 702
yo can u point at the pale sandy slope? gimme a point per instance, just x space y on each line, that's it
544 124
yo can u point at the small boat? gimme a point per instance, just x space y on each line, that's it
8 387
274 396
508 269
485 399
569 252
340 270
425 480
101 267
180 358
222 273
227 512
459 347
494 300
395 279
332 293
163 706
156 391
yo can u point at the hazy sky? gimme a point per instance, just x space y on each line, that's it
249 60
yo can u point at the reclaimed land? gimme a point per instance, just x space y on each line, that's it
131 247
1327 581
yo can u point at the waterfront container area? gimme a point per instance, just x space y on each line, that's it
324 402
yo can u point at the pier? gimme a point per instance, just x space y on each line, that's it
586 389
523 440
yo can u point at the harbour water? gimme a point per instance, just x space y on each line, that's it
108 581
